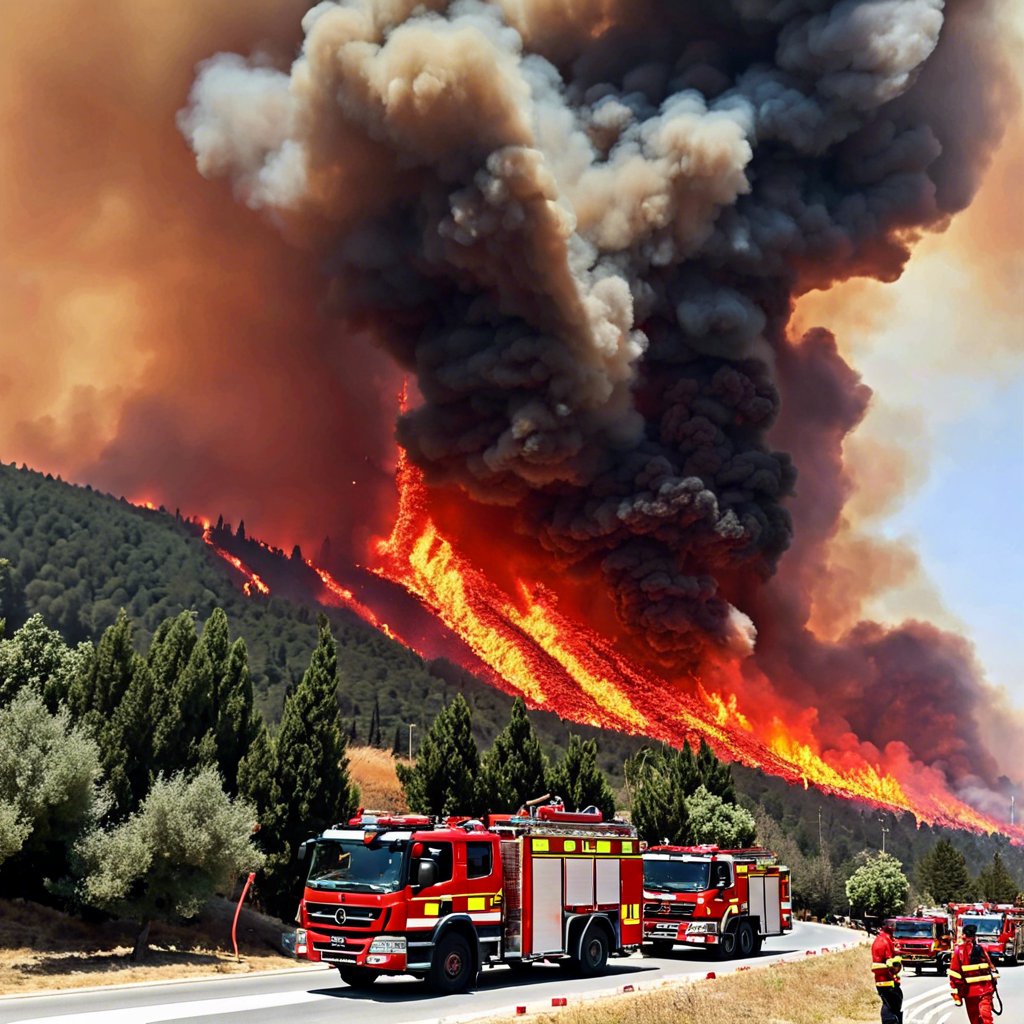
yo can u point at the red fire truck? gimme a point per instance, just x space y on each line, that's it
1000 928
729 900
924 940
442 899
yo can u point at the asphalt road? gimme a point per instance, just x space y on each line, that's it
315 995
926 999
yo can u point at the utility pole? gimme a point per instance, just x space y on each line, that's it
1013 801
884 830
819 833
412 725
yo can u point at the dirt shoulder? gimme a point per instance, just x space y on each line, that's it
42 949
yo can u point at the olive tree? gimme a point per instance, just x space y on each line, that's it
188 840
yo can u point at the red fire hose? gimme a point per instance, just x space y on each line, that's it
238 910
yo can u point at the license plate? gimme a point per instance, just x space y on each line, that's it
337 940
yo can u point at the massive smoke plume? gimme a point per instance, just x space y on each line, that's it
583 226
583 230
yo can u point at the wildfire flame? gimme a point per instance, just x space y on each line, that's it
556 663
253 583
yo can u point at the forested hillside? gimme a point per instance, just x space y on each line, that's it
76 557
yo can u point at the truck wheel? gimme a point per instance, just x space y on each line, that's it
593 955
451 969
942 966
745 939
357 977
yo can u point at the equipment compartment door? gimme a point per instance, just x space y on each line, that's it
546 905
765 902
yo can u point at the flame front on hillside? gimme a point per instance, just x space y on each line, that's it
562 666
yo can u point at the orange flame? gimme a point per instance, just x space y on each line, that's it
252 582
557 663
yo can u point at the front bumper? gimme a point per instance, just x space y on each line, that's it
387 953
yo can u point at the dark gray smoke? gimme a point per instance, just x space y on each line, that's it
582 224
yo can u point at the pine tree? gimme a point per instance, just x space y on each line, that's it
444 779
660 780
996 884
942 874
514 770
579 781
312 767
241 529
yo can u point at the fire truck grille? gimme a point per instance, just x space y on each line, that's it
677 910
335 915
339 954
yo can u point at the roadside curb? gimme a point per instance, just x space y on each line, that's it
550 1005
198 979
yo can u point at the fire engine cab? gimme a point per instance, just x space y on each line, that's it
728 900
1000 928
442 899
924 940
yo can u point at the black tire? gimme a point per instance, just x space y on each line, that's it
942 966
917 969
726 948
451 969
657 947
592 957
357 977
746 940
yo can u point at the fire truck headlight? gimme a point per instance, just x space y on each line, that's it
300 941
388 945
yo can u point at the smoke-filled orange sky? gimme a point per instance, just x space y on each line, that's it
161 340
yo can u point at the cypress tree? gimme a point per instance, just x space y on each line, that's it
102 687
714 775
312 766
579 781
12 598
942 874
169 656
514 770
237 722
126 743
444 779
996 884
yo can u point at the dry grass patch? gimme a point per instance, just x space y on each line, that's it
374 773
41 948
833 989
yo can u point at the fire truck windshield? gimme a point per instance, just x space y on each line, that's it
356 866
987 926
915 929
676 875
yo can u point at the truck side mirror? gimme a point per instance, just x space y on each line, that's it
426 874
300 853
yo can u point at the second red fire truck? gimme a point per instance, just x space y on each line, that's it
442 899
924 940
1000 928
727 901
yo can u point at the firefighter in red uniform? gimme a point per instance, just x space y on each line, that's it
886 965
972 977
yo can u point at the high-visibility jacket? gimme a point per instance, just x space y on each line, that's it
971 972
886 963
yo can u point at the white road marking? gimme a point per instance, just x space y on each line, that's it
933 1006
172 1011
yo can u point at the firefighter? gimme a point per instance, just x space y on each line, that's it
972 977
886 965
